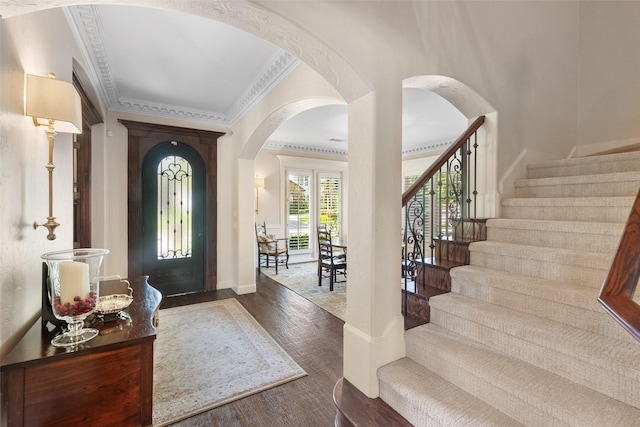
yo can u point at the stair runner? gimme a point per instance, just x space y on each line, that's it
521 338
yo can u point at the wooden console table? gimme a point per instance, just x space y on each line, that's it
107 381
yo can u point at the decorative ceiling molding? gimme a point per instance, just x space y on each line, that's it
285 147
423 149
250 17
85 20
280 66
290 37
85 24
129 105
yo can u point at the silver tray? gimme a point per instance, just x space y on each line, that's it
111 304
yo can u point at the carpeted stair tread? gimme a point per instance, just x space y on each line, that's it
562 302
609 184
619 162
566 303
582 344
596 209
551 290
597 237
583 268
527 393
579 227
605 364
554 255
426 399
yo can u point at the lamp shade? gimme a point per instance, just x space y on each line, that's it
51 99
258 182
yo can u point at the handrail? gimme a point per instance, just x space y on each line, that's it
616 295
431 170
440 218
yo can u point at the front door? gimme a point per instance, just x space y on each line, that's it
173 205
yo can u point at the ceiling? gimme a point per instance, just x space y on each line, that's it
180 66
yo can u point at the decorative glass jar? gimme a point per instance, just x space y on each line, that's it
73 288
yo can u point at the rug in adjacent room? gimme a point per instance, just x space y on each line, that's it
210 354
303 280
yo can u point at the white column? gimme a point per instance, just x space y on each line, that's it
374 329
227 224
246 231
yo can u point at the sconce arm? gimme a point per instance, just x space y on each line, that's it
51 224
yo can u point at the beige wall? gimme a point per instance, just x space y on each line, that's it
36 44
608 83
562 77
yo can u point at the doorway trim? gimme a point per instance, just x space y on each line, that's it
143 137
82 154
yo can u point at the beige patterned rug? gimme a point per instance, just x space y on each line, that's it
303 280
210 354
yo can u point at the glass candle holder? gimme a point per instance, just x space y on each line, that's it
73 288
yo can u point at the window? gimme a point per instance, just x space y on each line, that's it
174 208
299 210
330 189
313 198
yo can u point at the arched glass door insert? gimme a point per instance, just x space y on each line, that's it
174 217
175 210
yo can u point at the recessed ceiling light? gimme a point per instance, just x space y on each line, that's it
336 140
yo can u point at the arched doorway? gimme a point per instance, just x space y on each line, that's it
143 137
174 212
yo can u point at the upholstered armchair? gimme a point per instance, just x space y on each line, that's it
271 249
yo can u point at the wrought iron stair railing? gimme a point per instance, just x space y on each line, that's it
440 210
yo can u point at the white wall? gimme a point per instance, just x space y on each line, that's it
36 44
522 57
608 82
559 74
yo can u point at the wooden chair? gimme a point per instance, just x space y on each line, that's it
271 248
338 252
328 261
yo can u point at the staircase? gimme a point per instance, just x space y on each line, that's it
521 338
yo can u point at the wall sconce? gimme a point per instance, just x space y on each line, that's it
258 183
55 104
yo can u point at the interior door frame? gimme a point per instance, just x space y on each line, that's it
143 137
82 151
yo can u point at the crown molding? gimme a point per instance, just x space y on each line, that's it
279 67
297 149
285 147
418 150
87 28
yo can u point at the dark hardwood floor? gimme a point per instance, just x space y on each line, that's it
309 334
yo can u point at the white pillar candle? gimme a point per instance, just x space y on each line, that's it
74 281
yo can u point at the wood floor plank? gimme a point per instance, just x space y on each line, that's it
309 334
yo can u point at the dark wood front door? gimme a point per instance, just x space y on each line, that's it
144 137
174 210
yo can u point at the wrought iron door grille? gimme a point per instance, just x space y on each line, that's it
174 208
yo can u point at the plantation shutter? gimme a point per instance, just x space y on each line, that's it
330 202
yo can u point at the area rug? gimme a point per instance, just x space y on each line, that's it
303 280
210 354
